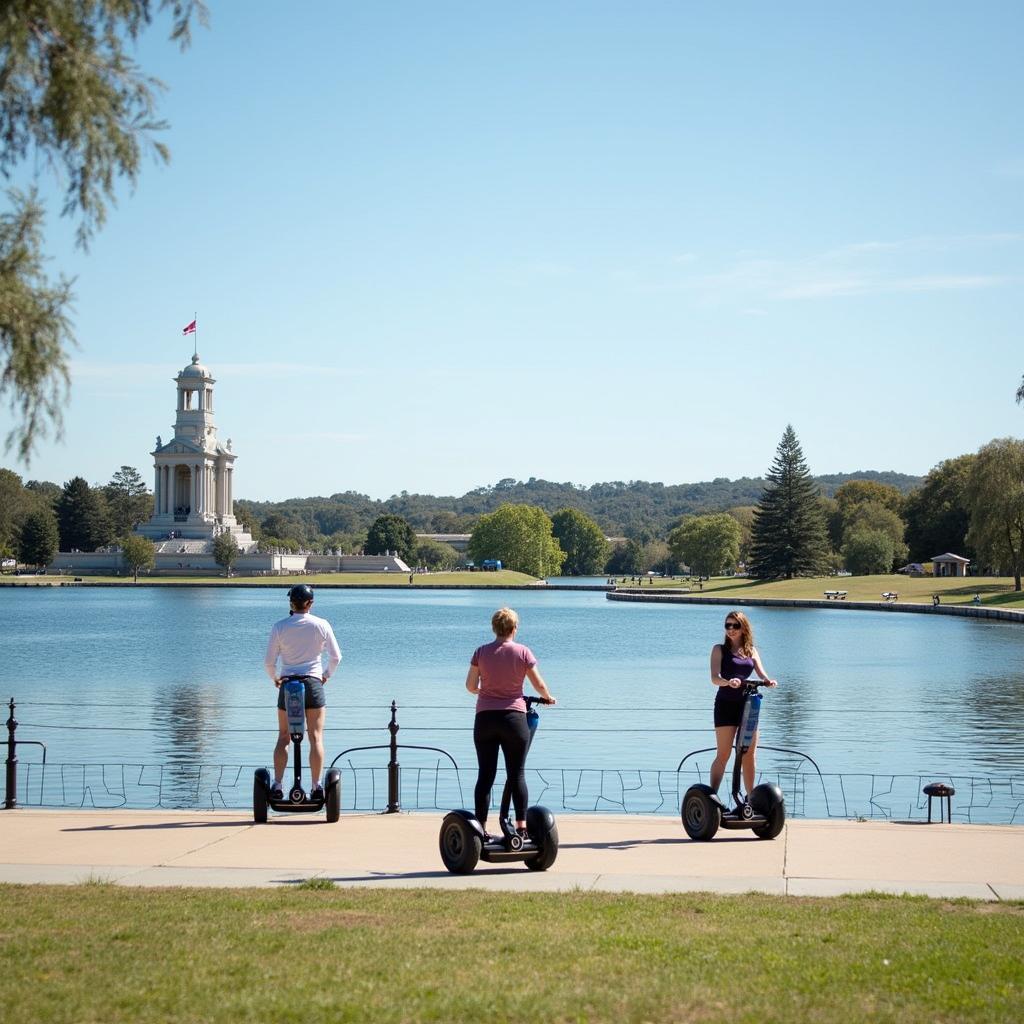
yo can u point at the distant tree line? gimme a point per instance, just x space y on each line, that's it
787 524
39 518
637 509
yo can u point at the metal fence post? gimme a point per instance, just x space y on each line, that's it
11 800
394 805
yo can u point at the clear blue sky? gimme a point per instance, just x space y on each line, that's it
434 245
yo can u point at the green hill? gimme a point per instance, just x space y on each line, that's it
619 507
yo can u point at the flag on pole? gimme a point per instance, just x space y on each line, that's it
191 329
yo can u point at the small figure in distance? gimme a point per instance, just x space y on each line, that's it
299 641
495 678
733 661
935 599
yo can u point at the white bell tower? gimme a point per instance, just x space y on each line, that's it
193 490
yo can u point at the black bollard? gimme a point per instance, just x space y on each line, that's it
394 806
11 800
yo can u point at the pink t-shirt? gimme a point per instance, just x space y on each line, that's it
503 666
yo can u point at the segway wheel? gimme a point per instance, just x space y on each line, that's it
260 788
333 793
460 845
540 823
768 800
701 815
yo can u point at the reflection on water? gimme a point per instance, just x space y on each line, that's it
185 726
175 677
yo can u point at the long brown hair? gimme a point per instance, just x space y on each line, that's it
745 644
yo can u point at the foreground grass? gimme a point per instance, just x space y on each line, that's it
504 578
97 952
996 591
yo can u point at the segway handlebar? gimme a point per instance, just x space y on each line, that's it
530 701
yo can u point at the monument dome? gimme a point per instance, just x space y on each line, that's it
195 369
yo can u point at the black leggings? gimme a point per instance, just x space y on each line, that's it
506 730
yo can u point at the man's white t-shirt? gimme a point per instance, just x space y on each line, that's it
299 641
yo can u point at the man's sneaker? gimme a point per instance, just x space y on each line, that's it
316 793
276 792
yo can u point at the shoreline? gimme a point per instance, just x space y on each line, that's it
980 611
975 611
288 582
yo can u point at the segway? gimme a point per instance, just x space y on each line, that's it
463 841
763 810
296 799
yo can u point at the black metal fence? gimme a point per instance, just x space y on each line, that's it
434 782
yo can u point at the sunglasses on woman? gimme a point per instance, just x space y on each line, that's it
732 625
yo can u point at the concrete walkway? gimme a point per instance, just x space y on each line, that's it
610 853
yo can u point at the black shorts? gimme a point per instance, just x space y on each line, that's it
315 696
728 712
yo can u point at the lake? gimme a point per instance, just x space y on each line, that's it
174 676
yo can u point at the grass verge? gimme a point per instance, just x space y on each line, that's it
98 953
996 591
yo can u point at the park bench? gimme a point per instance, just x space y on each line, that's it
890 595
835 595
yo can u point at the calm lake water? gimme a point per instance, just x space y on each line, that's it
174 676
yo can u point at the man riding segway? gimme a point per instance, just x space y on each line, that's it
299 641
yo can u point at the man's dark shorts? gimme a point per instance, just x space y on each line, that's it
315 695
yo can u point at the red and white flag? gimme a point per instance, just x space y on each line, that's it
191 329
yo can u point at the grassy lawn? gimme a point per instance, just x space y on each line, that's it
97 952
504 578
996 591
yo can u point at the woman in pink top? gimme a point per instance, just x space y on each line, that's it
495 678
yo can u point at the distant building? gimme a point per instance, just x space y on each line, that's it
950 565
193 503
194 474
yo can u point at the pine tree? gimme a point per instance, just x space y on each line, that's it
127 500
789 535
82 517
38 541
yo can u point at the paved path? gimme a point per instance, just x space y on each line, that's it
610 853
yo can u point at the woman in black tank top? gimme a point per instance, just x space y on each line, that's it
733 661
